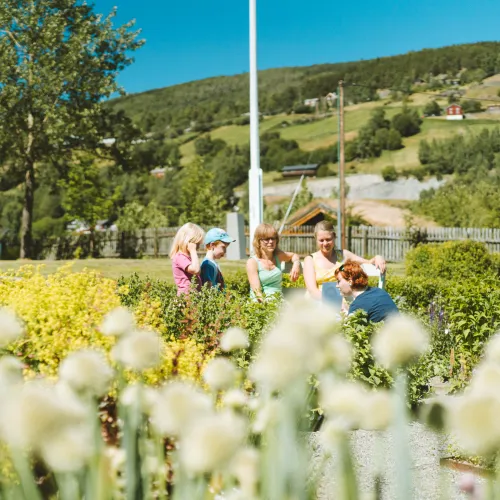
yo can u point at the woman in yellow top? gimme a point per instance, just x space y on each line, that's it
320 267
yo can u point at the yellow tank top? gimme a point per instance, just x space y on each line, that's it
325 275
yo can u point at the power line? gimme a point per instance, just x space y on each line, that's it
353 84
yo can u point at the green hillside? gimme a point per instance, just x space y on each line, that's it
217 99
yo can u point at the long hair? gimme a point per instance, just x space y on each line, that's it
264 231
188 233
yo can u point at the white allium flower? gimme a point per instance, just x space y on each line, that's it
486 379
119 321
474 421
295 347
235 398
378 410
492 350
220 374
139 350
342 399
11 371
234 338
69 449
37 412
267 415
332 432
11 327
339 353
87 371
176 406
399 341
245 467
211 442
117 458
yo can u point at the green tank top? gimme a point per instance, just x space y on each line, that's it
270 280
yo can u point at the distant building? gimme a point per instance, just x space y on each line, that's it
311 102
494 109
298 170
158 172
331 97
454 112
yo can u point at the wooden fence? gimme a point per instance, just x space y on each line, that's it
392 243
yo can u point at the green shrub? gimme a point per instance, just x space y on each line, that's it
453 260
389 173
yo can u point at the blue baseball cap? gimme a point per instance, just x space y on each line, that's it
217 234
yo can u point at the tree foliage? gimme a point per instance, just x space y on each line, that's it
58 60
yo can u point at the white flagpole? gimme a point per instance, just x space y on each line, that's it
256 204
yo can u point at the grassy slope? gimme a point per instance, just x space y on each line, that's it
323 133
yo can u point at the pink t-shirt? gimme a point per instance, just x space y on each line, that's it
182 278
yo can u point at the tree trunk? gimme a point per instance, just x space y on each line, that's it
27 217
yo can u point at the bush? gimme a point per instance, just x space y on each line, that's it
62 313
453 260
389 173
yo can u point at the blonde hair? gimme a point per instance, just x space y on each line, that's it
324 225
188 233
264 231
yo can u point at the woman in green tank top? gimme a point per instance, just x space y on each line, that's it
264 267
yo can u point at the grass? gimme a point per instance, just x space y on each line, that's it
154 268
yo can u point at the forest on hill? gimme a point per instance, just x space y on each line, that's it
212 102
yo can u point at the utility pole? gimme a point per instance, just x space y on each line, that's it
341 212
255 202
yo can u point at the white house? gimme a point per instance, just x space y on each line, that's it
311 102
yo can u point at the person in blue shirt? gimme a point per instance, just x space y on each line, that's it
216 243
352 282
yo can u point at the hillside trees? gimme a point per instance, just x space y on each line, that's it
57 63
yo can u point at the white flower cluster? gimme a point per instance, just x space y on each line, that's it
304 341
135 349
473 416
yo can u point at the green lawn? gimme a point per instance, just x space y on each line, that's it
154 268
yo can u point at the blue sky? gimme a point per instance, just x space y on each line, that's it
193 39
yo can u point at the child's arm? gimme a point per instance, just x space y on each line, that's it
194 267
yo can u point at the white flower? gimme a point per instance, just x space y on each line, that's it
117 322
220 374
267 415
87 371
378 410
37 412
245 467
11 371
176 406
492 350
332 433
211 442
234 338
339 353
117 458
342 399
11 327
486 379
474 421
69 449
399 341
235 398
139 350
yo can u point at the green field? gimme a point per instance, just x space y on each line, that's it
154 268
323 133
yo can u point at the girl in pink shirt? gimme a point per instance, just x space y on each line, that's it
185 262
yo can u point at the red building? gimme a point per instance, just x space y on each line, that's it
454 112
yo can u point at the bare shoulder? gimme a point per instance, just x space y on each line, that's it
251 263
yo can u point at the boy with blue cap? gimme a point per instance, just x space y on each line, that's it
216 243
